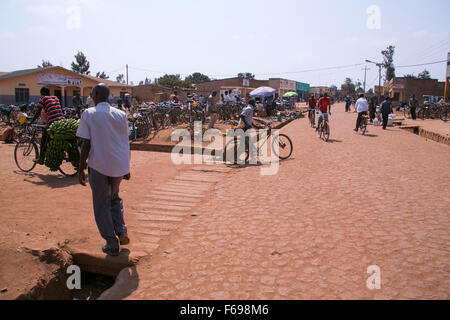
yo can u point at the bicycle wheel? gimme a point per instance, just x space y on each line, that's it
285 146
234 152
363 128
325 134
69 164
445 114
421 114
24 154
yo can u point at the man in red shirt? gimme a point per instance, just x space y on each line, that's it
312 102
49 108
324 105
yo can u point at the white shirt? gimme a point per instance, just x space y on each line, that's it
107 129
247 112
362 105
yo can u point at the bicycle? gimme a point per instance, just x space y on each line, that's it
324 130
242 154
363 124
26 151
312 117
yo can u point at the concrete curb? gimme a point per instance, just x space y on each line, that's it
167 148
427 134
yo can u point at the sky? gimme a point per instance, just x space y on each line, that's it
283 38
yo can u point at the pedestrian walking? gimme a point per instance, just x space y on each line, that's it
413 104
386 110
211 109
106 153
372 109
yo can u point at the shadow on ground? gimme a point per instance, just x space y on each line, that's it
54 181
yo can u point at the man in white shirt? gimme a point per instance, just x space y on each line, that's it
106 152
362 107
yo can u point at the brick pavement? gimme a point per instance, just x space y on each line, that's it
311 231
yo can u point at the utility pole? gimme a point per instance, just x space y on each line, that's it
379 65
365 77
127 74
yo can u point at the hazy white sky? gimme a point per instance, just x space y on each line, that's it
223 38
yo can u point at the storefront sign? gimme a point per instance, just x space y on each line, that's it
246 83
59 80
398 86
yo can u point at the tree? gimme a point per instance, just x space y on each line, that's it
197 77
359 88
425 74
141 83
120 78
388 64
410 76
348 87
172 81
246 75
102 75
81 64
370 93
45 64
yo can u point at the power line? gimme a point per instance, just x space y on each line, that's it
422 64
423 52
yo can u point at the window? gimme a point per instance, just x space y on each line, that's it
22 95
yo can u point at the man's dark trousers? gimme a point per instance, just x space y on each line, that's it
413 113
108 207
385 120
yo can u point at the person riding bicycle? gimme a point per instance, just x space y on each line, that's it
246 116
50 111
362 107
324 106
312 102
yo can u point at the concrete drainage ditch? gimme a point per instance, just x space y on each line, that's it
427 134
52 285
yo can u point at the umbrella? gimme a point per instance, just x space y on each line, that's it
262 92
290 94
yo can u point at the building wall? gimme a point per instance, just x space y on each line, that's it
407 87
206 88
30 81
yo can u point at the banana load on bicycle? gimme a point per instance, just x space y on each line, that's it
60 136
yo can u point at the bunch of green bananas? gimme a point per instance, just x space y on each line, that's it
64 144
64 129
54 155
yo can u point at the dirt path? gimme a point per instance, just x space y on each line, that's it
218 232
312 230
41 209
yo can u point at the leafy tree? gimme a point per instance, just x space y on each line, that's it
197 77
388 57
120 78
333 88
348 87
172 81
370 93
45 64
81 64
141 83
246 75
359 88
102 75
425 74
410 76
